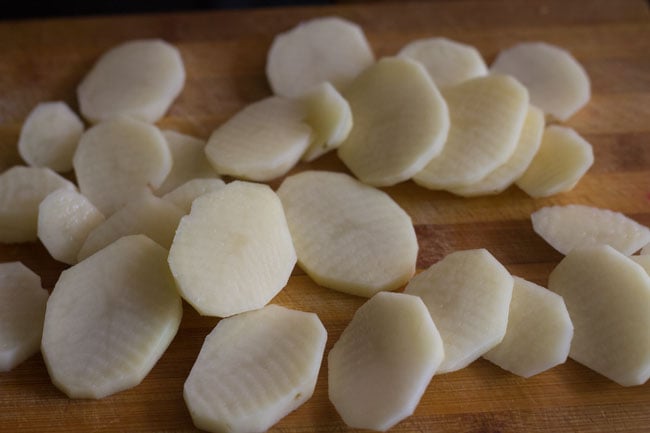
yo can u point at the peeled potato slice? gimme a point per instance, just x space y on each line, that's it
646 249
468 295
383 361
22 309
184 195
400 122
254 369
348 236
608 297
643 260
110 318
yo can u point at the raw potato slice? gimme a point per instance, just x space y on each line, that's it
21 191
120 160
608 298
110 318
233 252
323 49
643 260
22 310
348 236
184 195
383 361
646 249
261 142
562 159
468 295
49 136
400 122
65 218
573 226
487 116
254 369
539 332
139 79
557 83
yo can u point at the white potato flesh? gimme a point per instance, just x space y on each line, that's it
608 298
22 310
233 252
65 218
261 142
110 318
184 195
139 79
21 191
120 160
383 361
254 369
557 83
539 332
468 295
643 260
561 161
573 226
487 116
400 122
348 236
646 249
49 136
322 49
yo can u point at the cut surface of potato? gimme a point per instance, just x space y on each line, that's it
322 49
643 260
233 252
383 361
261 142
254 369
400 122
49 136
468 295
348 236
110 318
22 310
184 195
139 79
608 298
646 249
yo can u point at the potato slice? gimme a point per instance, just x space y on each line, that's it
254 369
468 295
573 226
322 49
561 161
383 361
608 298
110 318
646 249
233 252
22 310
348 236
487 116
139 79
400 122
184 195
557 83
643 260
261 142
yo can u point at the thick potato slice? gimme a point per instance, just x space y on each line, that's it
400 122
233 252
110 318
348 236
254 369
184 195
383 361
608 298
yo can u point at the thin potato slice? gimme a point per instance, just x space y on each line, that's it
184 195
643 260
646 249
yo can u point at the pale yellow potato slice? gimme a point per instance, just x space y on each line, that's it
468 295
608 298
110 318
646 249
139 79
561 161
184 195
254 369
348 236
322 49
383 361
643 260
233 252
261 142
400 122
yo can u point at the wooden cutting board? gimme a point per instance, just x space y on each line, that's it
224 54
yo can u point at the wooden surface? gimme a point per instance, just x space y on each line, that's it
224 53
